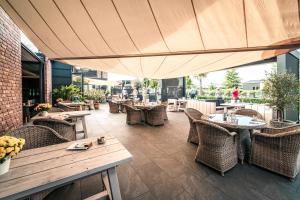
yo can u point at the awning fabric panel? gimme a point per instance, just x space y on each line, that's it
146 38
171 66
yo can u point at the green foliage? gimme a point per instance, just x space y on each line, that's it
188 82
200 78
66 92
227 93
97 95
137 84
146 83
153 83
282 91
212 86
245 100
232 79
254 100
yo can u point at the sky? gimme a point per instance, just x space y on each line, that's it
254 72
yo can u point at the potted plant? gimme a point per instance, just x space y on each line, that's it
9 147
43 108
281 91
99 96
67 93
95 97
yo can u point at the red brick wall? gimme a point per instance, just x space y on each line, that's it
48 81
10 74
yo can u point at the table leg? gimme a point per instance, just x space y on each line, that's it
114 184
244 145
84 127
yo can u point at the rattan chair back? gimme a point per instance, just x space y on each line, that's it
37 136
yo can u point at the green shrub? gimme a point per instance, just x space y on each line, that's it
96 95
66 92
244 100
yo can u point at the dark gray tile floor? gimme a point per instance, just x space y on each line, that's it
163 166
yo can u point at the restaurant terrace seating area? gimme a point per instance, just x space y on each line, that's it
149 100
166 166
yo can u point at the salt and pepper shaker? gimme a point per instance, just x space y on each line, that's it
101 140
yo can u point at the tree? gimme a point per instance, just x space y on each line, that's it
200 78
146 83
153 83
137 85
232 79
212 87
188 82
282 91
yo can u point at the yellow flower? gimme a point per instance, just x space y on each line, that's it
2 155
12 154
2 143
21 141
17 149
9 149
10 146
2 150
21 146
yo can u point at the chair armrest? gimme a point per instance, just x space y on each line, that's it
232 133
280 130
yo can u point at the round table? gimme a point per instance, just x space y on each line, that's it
145 106
242 127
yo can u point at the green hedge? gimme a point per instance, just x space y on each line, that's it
245 100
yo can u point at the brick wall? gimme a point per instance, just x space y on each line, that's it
48 81
10 74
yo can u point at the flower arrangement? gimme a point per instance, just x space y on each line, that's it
10 147
42 107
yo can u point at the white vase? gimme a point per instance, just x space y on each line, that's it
43 113
4 167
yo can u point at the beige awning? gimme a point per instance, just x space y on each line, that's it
93 81
158 38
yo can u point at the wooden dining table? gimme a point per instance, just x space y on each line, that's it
148 106
50 167
79 105
242 126
68 115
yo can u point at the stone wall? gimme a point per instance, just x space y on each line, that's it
10 74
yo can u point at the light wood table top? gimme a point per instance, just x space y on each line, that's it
63 115
73 103
43 168
146 106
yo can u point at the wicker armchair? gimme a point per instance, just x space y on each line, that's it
55 109
277 150
37 136
165 104
172 105
62 127
217 146
193 115
113 107
66 108
249 113
134 115
155 116
128 102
